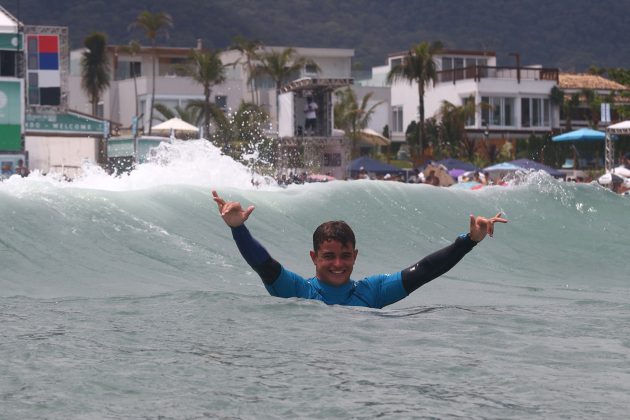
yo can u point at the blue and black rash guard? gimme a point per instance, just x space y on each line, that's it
374 291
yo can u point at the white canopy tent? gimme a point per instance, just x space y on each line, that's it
620 128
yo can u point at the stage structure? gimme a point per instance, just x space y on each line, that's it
321 150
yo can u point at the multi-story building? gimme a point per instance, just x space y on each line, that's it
130 90
511 102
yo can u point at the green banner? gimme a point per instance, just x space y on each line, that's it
63 123
10 115
11 42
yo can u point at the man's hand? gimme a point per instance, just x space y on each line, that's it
231 211
482 226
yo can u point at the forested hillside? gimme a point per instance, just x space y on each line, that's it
570 34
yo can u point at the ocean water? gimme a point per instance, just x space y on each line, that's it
127 298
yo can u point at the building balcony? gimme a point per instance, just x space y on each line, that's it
477 73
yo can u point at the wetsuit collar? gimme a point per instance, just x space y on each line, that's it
335 294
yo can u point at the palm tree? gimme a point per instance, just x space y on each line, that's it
352 116
453 127
153 25
569 107
133 49
207 69
95 68
280 67
250 50
418 66
188 114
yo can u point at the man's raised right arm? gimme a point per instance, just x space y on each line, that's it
252 251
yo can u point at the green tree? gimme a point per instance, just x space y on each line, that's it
418 66
243 132
207 69
352 116
189 114
281 66
569 107
153 25
95 68
249 49
593 101
453 127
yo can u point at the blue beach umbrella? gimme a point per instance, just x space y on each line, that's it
372 165
537 166
583 134
503 166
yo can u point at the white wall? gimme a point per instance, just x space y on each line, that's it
381 116
49 154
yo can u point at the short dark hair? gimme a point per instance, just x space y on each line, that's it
336 230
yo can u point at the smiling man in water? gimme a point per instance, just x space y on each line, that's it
334 254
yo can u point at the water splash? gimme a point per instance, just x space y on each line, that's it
192 162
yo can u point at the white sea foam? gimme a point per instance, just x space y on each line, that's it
192 162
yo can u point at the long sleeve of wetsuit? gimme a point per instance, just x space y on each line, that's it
256 255
436 264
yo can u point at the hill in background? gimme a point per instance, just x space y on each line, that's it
571 35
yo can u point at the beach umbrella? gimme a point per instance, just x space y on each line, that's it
502 167
583 134
175 124
440 172
367 135
468 185
319 178
451 163
456 173
537 166
372 165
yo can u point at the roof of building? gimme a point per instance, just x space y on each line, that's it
8 22
588 81
447 52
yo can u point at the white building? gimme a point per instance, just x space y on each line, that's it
127 92
519 97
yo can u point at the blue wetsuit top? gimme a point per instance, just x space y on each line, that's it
375 291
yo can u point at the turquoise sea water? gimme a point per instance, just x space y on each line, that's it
126 298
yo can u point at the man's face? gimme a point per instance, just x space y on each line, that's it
334 262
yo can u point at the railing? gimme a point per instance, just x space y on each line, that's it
486 72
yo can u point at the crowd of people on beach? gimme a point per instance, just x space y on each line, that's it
437 175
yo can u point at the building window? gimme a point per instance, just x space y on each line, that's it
310 69
535 112
171 66
497 111
395 62
397 119
221 102
7 64
447 63
127 70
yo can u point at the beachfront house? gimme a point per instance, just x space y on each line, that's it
583 95
516 99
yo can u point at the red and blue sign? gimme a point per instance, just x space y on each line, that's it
44 78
